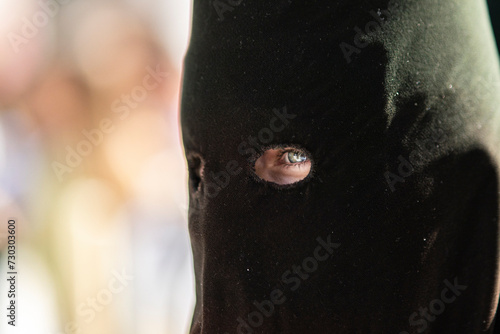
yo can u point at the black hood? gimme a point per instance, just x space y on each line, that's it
395 230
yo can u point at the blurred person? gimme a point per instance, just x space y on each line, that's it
22 62
108 213
135 165
25 51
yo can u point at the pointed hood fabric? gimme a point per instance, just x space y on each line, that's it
396 228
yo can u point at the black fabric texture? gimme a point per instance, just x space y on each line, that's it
396 228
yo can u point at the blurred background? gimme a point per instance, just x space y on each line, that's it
91 165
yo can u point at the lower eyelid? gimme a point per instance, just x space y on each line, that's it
300 164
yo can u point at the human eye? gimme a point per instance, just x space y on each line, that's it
283 165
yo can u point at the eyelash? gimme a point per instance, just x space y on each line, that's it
289 165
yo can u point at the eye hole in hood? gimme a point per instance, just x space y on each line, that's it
283 165
195 167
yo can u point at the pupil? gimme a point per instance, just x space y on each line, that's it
296 157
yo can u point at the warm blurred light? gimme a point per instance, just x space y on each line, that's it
120 205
